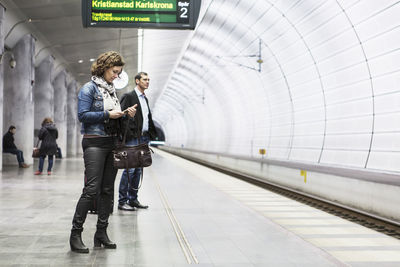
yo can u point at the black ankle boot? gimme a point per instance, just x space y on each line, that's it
101 238
75 241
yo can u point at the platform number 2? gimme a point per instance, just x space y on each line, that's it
183 9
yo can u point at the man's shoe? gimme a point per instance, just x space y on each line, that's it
126 207
23 165
135 203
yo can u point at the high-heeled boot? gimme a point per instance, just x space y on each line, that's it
75 241
101 238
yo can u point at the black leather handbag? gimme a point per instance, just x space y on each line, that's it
126 157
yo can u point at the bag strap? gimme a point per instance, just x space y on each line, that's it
125 132
140 182
123 144
126 167
141 176
37 143
126 128
139 131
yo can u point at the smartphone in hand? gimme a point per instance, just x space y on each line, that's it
126 110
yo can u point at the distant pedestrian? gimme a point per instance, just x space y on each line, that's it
48 147
10 147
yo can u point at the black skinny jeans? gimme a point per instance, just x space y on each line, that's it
100 176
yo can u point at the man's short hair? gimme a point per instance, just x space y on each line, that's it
12 127
139 75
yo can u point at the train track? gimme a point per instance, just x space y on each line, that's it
370 221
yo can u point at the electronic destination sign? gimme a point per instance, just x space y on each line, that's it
156 14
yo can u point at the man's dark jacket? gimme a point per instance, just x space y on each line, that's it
8 141
136 123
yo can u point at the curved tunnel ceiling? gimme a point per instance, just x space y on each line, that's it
327 92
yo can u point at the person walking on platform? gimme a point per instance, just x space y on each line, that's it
48 147
99 111
10 147
141 129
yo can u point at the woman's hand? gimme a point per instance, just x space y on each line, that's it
115 114
131 110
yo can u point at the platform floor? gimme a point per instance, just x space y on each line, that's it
197 216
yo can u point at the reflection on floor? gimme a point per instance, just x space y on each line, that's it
190 221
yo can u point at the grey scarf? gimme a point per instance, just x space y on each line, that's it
110 99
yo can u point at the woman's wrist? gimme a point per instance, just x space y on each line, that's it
106 115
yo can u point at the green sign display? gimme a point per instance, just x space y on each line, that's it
171 14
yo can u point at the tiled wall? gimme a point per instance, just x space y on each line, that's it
328 89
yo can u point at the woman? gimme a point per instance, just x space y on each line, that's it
99 111
48 135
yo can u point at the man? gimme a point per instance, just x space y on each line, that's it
10 147
140 130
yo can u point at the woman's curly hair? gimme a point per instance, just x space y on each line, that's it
106 60
47 120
